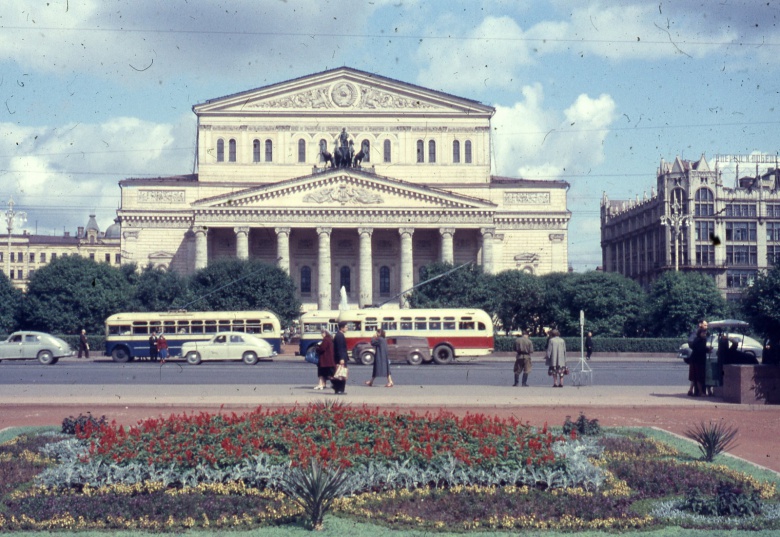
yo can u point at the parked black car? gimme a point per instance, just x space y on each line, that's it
410 349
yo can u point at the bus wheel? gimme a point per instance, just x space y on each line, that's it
442 355
249 358
367 358
193 358
415 358
120 355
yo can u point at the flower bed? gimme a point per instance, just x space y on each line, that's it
431 471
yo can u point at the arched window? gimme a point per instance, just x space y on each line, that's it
468 152
420 151
386 151
305 279
269 151
365 147
256 151
301 150
456 152
384 280
345 279
220 150
232 150
431 151
705 202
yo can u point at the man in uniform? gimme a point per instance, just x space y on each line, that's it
523 350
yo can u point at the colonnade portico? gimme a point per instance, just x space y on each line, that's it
366 256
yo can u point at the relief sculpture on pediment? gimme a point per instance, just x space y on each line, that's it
343 194
342 95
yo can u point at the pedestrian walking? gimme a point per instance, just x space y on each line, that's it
162 348
556 358
523 349
327 364
153 346
83 344
341 357
588 345
381 359
697 369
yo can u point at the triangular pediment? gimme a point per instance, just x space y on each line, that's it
345 189
345 91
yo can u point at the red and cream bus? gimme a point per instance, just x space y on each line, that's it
451 332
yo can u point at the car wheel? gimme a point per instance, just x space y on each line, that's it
120 355
46 357
250 358
193 358
415 358
442 355
367 358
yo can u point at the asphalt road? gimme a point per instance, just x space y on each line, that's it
286 371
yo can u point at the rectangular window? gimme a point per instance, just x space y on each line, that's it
773 254
32 257
773 210
773 231
92 256
196 327
705 254
449 323
420 323
741 255
406 323
210 327
737 279
741 210
118 259
434 323
53 256
741 231
20 274
11 275
371 324
43 258
12 257
389 323
108 258
1 257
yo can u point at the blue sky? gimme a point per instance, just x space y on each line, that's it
592 92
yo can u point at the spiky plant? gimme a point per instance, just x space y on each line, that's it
329 404
314 488
713 438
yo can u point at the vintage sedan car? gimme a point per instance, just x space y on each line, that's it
745 349
410 349
228 346
28 345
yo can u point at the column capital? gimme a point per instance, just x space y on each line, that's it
446 231
242 229
487 231
363 230
283 230
200 230
557 237
406 231
324 230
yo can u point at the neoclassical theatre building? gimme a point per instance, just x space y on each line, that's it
345 179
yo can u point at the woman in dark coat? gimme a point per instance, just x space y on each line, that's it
697 369
381 359
327 364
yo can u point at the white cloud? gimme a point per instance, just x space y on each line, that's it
536 142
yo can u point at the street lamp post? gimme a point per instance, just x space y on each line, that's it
10 217
677 221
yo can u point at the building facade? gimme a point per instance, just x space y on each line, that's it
345 179
696 221
21 255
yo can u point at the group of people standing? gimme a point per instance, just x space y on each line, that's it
555 358
334 357
158 347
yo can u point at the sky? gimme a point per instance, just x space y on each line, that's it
595 93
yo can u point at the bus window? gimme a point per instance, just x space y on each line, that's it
466 325
434 323
224 325
406 323
211 327
372 323
481 326
420 323
196 327
155 326
169 327
183 327
449 323
140 327
389 323
353 326
118 330
253 326
268 328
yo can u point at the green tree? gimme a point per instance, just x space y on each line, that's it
234 284
760 303
156 289
467 287
613 304
72 293
521 296
10 303
678 300
554 310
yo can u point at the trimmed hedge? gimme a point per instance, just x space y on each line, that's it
606 344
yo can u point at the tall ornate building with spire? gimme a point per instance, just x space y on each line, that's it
696 221
345 179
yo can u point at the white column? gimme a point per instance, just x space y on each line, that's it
366 281
447 252
407 264
488 234
283 248
242 242
325 299
201 248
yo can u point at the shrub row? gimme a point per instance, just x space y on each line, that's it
607 344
